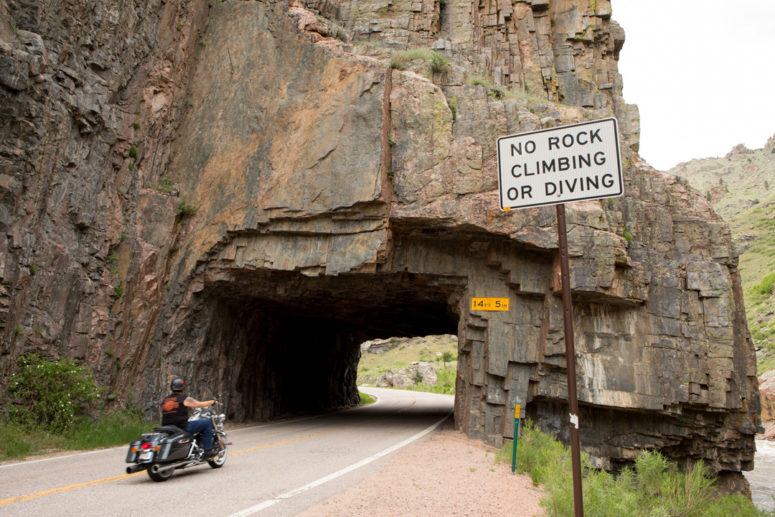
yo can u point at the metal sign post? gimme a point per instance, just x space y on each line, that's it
570 359
551 167
516 438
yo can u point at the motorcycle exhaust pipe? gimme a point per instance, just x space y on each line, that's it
161 469
135 468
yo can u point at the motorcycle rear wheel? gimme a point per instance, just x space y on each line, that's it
160 476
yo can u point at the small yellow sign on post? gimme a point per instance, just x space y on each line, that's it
489 304
516 411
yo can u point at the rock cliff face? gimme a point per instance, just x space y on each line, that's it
241 192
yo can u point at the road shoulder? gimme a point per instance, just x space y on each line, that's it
445 474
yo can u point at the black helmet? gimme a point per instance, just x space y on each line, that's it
177 385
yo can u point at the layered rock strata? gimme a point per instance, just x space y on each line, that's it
242 192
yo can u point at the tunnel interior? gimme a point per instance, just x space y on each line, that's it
280 344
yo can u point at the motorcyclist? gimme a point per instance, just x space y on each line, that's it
174 411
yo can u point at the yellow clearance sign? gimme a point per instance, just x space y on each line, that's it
489 304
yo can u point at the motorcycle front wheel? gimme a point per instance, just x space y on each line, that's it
159 476
220 458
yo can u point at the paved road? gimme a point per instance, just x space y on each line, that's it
277 469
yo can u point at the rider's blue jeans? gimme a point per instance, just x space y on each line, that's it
204 427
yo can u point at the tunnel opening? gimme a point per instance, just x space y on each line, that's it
417 363
279 344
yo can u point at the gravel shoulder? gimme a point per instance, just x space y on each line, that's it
444 474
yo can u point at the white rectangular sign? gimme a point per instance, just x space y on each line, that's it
561 164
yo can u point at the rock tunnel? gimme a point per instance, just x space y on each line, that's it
291 343
273 343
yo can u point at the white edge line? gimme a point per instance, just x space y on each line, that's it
287 495
62 457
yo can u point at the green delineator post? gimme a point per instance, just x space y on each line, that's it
516 438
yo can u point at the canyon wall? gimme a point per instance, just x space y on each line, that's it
241 192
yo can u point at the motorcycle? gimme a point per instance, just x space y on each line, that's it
169 447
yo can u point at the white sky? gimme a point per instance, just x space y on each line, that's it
702 73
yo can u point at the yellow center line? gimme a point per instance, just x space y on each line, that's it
78 486
69 488
289 440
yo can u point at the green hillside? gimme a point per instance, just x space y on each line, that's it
741 188
397 355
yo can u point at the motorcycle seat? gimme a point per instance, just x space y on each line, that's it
168 429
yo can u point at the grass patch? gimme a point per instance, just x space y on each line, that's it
445 382
366 399
654 487
114 429
764 287
118 428
499 92
18 441
436 62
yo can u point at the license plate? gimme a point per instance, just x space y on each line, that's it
146 455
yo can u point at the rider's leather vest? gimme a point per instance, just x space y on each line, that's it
173 412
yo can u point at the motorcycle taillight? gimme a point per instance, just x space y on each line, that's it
145 446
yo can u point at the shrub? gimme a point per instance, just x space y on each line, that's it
184 209
112 261
628 237
133 152
400 60
398 63
50 394
445 382
479 81
118 292
165 187
439 63
654 487
765 286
